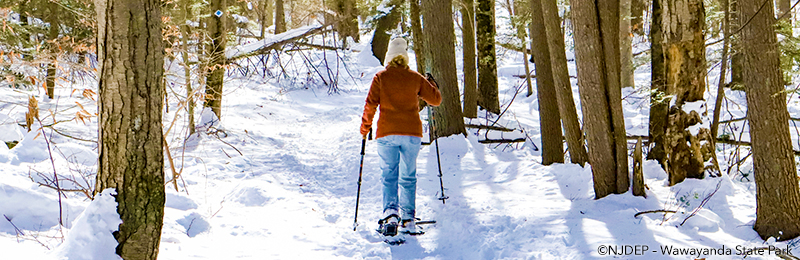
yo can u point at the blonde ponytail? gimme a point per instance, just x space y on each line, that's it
398 61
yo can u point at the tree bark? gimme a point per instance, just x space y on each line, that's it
130 54
470 64
737 58
440 36
269 14
777 189
726 28
52 35
563 87
549 118
346 19
280 17
187 70
215 78
626 49
487 59
418 40
685 82
609 25
638 174
659 101
597 78
389 21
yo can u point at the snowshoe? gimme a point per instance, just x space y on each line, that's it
388 225
409 227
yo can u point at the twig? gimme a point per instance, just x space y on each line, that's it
16 229
654 211
216 133
69 136
703 203
55 174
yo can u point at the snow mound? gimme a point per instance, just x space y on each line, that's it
91 238
9 131
29 210
32 148
194 224
5 154
207 120
179 202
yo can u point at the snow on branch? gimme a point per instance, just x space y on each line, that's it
274 42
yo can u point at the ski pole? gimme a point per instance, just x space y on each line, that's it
432 135
360 170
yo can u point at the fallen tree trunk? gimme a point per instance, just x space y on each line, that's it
275 42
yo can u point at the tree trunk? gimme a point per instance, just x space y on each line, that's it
737 58
563 87
440 36
131 62
549 118
777 189
389 21
726 32
52 35
638 174
280 17
626 49
214 80
267 16
638 7
487 59
187 69
346 19
659 100
685 82
418 40
783 6
470 64
595 59
609 25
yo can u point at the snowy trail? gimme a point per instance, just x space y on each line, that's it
291 192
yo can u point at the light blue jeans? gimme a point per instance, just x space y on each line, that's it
399 166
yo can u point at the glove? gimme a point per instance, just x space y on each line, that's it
368 133
429 77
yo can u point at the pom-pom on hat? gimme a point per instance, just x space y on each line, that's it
397 47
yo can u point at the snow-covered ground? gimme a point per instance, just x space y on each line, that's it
279 182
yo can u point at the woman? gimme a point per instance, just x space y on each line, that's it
397 90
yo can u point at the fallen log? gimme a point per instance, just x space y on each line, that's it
498 128
274 42
501 141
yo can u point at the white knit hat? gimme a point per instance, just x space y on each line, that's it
397 46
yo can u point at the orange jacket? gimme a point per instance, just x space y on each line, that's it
397 90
